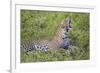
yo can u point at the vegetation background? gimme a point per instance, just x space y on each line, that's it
41 25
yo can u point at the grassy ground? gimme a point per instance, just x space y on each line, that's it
54 55
42 25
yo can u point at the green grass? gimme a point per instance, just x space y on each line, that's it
54 55
42 25
37 25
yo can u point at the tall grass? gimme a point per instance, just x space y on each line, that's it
42 25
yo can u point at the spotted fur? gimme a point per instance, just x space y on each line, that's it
54 43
